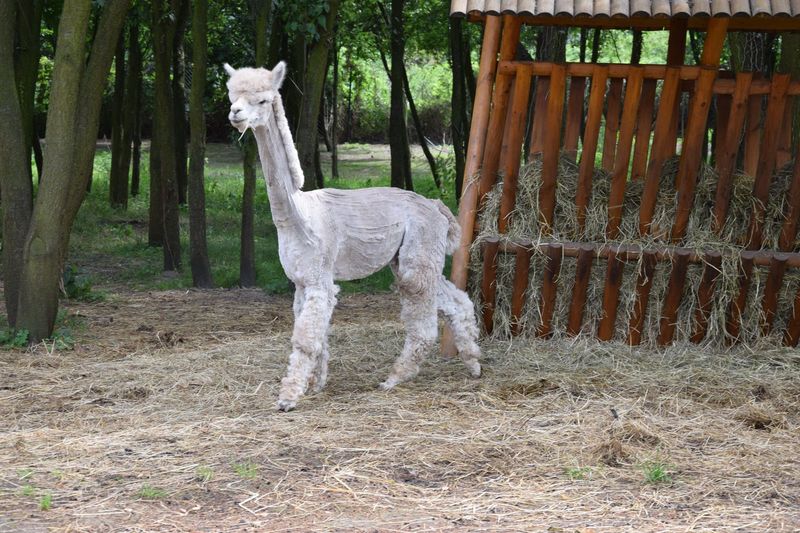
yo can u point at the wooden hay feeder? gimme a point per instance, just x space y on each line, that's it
567 103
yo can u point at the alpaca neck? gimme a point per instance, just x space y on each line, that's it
282 171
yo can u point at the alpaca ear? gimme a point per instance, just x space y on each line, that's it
279 74
229 69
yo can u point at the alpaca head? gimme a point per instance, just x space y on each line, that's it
251 92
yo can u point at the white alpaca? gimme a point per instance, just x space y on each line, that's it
331 234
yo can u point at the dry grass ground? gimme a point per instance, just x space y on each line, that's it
162 419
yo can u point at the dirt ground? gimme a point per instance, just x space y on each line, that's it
162 419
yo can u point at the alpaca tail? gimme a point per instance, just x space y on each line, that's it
453 229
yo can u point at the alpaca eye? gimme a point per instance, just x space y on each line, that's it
262 102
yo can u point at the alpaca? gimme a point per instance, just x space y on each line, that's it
329 235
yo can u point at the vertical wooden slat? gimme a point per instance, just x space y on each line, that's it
614 273
792 210
769 305
644 282
539 116
714 41
676 46
613 107
619 176
752 138
686 179
766 160
669 313
497 119
555 109
550 289
661 148
734 322
785 142
590 141
724 102
489 283
522 270
583 271
577 91
643 128
726 159
512 144
468 205
705 295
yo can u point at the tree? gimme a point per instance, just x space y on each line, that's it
26 65
118 178
179 99
459 121
163 172
15 180
72 122
198 246
398 134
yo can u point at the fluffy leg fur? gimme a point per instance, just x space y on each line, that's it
308 342
419 316
460 315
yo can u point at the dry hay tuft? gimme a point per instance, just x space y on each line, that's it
524 225
95 426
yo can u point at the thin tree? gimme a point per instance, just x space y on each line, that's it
26 64
459 123
118 178
179 99
335 111
72 123
398 134
198 244
132 105
163 30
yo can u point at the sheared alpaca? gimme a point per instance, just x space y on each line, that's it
330 234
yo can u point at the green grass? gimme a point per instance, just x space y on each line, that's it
657 472
579 472
45 502
152 493
109 246
246 470
205 473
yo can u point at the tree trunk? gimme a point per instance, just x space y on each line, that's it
790 63
72 122
398 135
423 142
164 16
118 179
335 111
15 179
136 109
458 122
316 71
260 11
26 65
198 245
179 98
636 47
596 44
322 130
132 97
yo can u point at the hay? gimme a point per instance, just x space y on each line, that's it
195 420
524 225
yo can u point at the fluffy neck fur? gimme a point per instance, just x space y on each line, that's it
282 171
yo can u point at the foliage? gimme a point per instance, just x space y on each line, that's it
152 493
246 470
656 472
303 18
78 285
14 338
45 502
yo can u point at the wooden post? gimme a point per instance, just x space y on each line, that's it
616 265
577 94
555 108
643 128
644 282
669 314
614 105
590 140
522 270
705 295
512 144
550 289
583 272
489 283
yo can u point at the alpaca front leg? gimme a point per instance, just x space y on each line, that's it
460 316
319 376
308 343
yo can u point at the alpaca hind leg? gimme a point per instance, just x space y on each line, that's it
308 342
460 316
419 316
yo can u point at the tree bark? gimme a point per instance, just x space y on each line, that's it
423 142
316 71
179 98
636 47
26 65
133 78
335 111
15 179
198 244
118 179
72 122
398 134
596 44
458 122
163 30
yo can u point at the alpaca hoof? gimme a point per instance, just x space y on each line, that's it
389 384
286 405
474 368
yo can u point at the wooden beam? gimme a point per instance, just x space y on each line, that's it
468 205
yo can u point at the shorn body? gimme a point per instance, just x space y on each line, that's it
330 234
